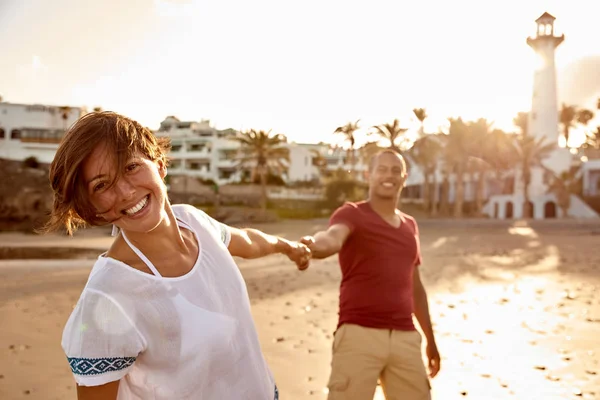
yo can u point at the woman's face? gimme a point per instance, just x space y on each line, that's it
136 202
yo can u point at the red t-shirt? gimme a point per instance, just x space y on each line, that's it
377 262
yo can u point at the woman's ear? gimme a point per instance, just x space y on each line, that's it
162 168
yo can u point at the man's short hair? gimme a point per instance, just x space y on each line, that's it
387 151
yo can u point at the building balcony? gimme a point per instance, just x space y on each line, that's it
40 140
227 163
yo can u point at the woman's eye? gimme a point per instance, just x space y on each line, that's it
132 167
99 186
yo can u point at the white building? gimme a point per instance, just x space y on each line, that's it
202 151
33 130
591 177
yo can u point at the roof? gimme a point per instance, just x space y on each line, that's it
545 17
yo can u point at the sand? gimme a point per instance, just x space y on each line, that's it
516 309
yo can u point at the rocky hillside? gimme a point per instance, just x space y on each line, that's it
25 195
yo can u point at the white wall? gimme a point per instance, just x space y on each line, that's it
591 177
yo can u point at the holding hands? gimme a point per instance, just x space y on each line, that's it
298 253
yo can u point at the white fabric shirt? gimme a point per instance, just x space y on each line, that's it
189 337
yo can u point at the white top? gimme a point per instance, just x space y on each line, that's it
188 337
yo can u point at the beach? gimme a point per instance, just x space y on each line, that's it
515 307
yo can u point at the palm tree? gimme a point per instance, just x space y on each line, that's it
263 153
390 132
348 132
522 122
368 150
531 151
561 187
426 153
568 116
479 157
584 116
500 153
593 139
318 161
421 115
456 156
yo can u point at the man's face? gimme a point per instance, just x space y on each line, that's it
387 176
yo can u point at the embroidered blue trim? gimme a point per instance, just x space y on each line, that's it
276 393
96 366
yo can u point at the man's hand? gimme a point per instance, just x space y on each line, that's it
433 359
308 241
298 253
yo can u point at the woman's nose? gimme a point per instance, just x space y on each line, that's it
124 188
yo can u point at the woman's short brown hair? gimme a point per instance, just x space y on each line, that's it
122 136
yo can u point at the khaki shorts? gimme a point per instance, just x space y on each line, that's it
362 355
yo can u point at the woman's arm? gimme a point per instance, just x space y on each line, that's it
107 391
252 243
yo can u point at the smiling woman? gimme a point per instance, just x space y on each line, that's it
165 313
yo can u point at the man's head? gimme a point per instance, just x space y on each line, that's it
387 174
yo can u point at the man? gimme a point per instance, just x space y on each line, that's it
381 288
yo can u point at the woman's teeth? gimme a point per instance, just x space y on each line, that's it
137 207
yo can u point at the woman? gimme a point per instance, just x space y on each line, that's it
165 312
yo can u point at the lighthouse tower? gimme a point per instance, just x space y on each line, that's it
543 124
543 118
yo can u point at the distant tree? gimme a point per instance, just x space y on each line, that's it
31 162
426 152
568 117
593 139
421 115
64 113
263 153
347 131
341 188
521 121
584 116
393 133
531 151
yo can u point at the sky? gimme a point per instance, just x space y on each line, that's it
300 68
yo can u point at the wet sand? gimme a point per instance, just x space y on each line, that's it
516 309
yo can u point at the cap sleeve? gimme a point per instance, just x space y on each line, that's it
100 341
218 229
345 215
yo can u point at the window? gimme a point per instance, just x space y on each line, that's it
15 134
2 133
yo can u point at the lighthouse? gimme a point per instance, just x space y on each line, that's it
543 118
543 124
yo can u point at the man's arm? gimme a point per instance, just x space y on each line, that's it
424 319
327 243
252 243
